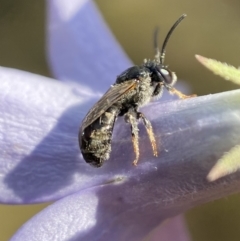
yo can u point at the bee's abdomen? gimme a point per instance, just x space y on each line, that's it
95 139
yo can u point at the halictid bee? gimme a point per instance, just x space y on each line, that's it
133 88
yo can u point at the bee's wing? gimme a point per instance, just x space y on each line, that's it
110 97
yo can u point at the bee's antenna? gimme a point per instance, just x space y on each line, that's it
155 42
162 54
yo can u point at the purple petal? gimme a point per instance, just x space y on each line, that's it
39 126
39 123
194 135
40 158
81 47
172 229
98 214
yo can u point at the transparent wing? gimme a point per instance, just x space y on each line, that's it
109 98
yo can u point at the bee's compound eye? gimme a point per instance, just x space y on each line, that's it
169 76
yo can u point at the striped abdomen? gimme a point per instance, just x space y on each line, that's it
95 139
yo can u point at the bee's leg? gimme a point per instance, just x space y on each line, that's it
158 90
180 94
149 129
131 118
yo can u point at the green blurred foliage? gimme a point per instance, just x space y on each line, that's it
22 31
211 29
12 217
215 221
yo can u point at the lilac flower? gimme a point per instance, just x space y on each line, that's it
40 159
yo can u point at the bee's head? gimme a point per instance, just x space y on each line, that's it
160 72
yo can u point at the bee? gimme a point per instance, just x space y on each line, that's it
133 88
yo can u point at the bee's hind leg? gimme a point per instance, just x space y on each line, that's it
150 132
131 118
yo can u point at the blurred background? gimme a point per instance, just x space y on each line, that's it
211 29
